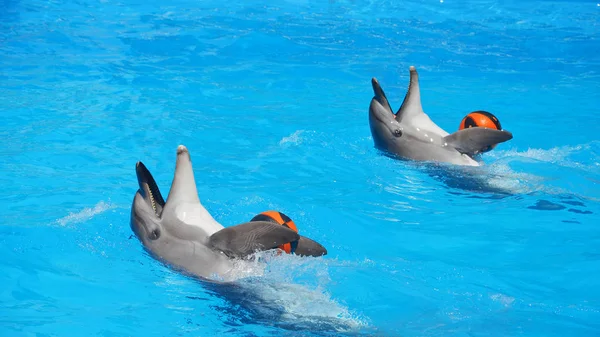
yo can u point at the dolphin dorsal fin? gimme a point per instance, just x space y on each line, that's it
183 187
411 106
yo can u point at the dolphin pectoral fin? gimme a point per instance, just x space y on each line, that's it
308 247
474 140
247 238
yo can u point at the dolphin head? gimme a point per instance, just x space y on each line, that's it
409 133
147 207
387 132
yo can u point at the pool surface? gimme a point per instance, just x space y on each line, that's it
272 103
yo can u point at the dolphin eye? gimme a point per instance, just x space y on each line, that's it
154 234
398 133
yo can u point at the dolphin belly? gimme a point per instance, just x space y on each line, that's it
192 258
422 151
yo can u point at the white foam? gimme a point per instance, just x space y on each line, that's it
557 155
307 303
294 138
523 182
505 178
548 155
503 299
85 214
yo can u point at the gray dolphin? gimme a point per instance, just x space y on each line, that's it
181 232
411 134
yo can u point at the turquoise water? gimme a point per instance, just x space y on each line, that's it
272 101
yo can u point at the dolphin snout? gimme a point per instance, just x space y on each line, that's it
379 112
181 149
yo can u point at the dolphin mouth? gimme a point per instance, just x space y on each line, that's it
381 114
380 95
377 113
382 111
149 189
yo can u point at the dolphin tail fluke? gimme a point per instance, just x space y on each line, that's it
411 105
475 140
183 187
244 239
308 247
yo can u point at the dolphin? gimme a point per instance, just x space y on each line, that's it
182 234
411 135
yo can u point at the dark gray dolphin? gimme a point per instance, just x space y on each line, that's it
181 232
411 134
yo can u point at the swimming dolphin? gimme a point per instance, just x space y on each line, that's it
411 134
181 232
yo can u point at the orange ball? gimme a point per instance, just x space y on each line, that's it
281 219
482 119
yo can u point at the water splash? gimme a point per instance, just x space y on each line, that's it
566 156
505 300
85 214
287 291
559 170
294 139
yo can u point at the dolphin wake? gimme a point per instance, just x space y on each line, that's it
559 170
289 292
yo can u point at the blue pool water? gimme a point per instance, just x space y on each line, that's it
271 100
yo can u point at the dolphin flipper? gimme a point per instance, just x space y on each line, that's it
308 247
247 238
472 141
